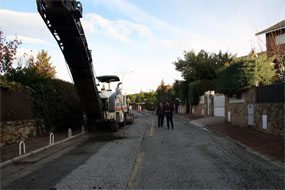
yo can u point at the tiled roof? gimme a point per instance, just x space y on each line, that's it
275 27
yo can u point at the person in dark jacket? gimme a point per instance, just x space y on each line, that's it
169 114
160 114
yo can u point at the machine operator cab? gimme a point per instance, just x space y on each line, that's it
115 106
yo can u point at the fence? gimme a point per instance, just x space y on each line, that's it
270 94
16 105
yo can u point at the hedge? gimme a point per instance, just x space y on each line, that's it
197 88
58 104
55 101
243 74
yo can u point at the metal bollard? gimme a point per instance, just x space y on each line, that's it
24 148
69 132
51 138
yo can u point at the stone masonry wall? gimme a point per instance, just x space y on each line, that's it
239 113
16 131
181 109
197 109
275 118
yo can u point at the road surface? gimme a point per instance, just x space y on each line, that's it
142 156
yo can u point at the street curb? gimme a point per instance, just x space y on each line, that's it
248 148
13 160
183 118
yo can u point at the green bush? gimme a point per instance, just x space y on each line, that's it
244 73
197 88
55 101
11 85
231 80
58 104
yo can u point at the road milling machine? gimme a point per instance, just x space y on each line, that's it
62 17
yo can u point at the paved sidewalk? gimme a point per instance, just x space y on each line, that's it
11 151
271 146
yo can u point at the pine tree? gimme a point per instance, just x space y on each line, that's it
43 65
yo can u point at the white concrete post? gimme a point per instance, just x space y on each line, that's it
24 148
229 116
51 138
83 129
264 121
69 132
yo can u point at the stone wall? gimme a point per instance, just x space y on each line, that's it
275 118
181 109
211 105
16 131
239 113
239 109
197 109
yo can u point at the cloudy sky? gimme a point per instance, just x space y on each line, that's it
139 40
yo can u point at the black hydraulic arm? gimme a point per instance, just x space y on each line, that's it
62 18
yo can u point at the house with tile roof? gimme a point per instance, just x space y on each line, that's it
275 39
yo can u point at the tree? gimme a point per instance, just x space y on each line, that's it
148 99
43 65
264 72
203 66
8 50
161 92
180 91
244 73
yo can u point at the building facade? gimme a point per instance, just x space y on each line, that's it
275 39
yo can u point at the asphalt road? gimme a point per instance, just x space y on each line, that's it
142 156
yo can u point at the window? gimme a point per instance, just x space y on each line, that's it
280 39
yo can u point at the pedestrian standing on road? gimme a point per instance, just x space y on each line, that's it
169 114
160 114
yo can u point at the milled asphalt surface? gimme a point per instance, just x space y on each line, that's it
191 157
142 156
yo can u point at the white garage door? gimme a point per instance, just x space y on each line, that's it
219 105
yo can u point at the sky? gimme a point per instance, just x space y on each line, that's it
139 40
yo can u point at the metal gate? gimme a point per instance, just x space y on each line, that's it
219 105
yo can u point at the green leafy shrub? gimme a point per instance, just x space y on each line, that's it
54 100
11 85
244 73
58 104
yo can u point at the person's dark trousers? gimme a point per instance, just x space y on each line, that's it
160 121
169 118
